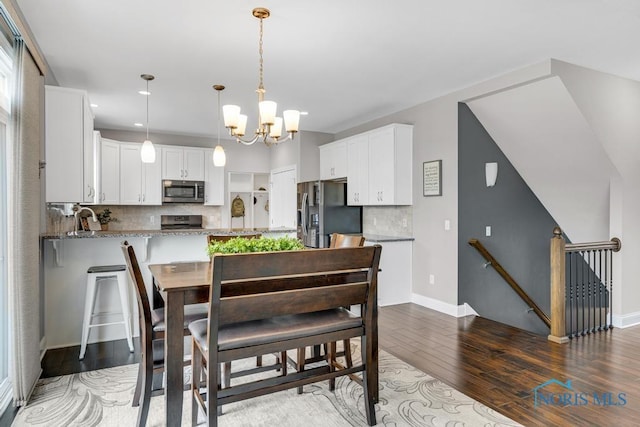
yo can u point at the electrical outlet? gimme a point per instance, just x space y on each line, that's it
152 219
404 223
447 225
432 279
375 221
487 231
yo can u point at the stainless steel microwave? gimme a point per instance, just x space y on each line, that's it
182 191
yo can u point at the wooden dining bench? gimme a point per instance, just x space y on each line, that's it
263 303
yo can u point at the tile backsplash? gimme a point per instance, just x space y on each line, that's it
384 220
140 217
388 220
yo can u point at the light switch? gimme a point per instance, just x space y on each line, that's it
432 279
487 231
447 225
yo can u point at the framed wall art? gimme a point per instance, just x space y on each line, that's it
432 178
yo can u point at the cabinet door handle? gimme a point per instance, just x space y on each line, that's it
102 197
186 173
144 197
138 197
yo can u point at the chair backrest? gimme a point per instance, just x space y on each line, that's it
345 241
225 237
144 307
268 284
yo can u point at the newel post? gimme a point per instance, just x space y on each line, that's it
558 288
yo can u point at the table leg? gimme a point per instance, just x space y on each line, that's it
157 300
173 357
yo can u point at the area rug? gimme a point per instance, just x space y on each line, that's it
408 397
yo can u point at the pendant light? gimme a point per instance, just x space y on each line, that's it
219 158
148 151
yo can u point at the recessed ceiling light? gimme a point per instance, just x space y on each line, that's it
94 105
144 92
138 125
304 113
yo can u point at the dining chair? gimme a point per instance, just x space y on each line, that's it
152 329
338 240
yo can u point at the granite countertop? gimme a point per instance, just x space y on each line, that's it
379 238
151 233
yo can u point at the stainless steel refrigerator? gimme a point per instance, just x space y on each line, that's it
323 210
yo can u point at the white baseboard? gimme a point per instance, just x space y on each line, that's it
626 320
443 307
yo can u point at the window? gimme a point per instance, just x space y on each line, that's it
5 97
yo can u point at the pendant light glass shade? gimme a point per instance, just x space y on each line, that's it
148 151
219 158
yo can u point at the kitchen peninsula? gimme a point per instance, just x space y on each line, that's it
66 257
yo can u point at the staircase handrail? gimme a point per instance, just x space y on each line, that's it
510 280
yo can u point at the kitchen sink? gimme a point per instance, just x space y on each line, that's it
81 233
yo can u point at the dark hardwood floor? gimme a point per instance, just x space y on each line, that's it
500 366
493 363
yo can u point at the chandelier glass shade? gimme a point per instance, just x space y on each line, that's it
148 151
269 128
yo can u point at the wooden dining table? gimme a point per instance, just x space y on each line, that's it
176 285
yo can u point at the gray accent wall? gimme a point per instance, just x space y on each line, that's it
520 231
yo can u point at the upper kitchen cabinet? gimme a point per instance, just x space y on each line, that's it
333 160
69 146
183 163
140 183
379 166
390 166
109 173
213 181
358 170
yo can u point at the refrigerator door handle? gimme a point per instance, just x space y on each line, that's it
305 213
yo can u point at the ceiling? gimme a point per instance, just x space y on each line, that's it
344 61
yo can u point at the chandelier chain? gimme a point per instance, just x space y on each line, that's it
261 84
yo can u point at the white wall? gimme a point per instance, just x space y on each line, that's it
435 137
302 152
611 105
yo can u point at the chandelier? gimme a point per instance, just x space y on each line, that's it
269 128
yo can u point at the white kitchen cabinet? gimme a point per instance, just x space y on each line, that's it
390 165
333 160
69 151
394 277
283 192
183 163
109 190
213 181
140 183
358 170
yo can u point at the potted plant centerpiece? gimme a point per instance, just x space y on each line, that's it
240 244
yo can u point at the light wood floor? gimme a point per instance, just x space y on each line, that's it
500 366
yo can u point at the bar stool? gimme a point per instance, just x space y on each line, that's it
96 275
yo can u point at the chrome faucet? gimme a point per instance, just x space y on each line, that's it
76 210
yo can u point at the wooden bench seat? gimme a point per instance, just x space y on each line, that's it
263 303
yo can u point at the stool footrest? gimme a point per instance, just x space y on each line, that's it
119 322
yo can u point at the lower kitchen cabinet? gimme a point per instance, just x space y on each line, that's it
394 277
